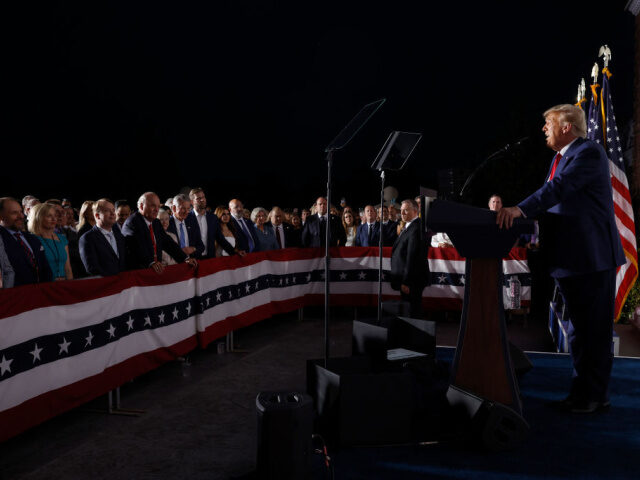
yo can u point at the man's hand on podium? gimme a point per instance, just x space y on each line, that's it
506 215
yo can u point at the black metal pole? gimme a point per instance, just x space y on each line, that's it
327 260
380 248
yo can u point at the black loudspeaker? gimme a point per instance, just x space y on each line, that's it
285 426
521 363
492 425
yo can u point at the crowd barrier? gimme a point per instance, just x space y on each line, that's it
63 344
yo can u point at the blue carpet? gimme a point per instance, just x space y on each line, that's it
603 445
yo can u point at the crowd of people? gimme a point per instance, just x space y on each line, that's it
53 240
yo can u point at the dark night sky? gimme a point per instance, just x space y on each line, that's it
241 96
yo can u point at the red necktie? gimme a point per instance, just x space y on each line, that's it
153 241
27 250
555 164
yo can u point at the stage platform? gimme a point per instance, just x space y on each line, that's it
200 420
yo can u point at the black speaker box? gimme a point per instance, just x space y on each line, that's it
490 425
285 426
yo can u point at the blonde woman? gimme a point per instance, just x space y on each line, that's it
42 223
87 220
350 227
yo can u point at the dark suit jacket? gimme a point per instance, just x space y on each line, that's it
193 231
97 255
362 235
214 234
241 237
291 235
140 252
580 230
389 233
311 234
409 264
24 272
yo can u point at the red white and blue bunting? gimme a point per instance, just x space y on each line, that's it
65 343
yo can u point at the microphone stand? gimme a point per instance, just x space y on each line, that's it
327 260
380 247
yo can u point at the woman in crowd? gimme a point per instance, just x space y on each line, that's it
349 224
87 220
266 236
71 219
7 274
42 223
164 218
228 230
296 222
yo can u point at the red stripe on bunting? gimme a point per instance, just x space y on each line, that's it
38 409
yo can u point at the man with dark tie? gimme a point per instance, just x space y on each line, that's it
24 250
103 249
389 227
583 250
146 239
315 228
409 266
185 227
245 230
286 235
210 231
368 234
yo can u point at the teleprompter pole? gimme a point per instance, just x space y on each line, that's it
327 260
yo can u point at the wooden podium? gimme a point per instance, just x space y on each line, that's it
482 365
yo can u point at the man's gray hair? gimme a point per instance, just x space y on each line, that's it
411 202
144 196
180 198
570 114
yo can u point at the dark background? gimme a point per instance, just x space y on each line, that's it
241 96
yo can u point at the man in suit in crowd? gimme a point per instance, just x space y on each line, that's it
314 231
246 234
389 227
7 275
24 250
146 239
409 266
103 249
209 225
286 235
123 210
583 250
185 227
368 233
495 202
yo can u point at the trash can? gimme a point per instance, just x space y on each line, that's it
285 426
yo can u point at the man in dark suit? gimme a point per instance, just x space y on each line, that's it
146 239
314 231
24 250
583 250
409 266
246 234
185 227
286 235
103 249
210 231
389 227
368 233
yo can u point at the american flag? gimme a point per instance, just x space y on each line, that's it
627 273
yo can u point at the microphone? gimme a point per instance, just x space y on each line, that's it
502 151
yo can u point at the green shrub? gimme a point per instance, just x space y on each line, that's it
633 300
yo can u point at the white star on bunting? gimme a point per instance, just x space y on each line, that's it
36 353
130 323
362 275
343 275
161 317
188 309
111 331
64 346
147 320
5 365
88 338
175 313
